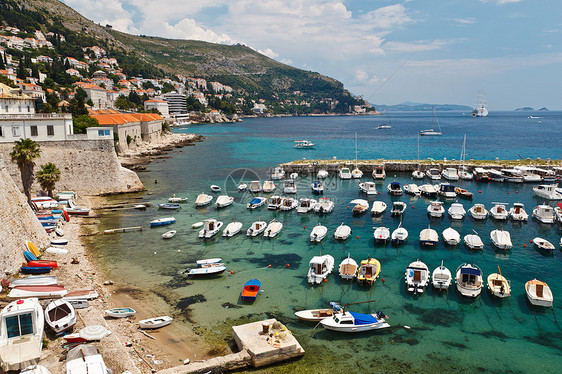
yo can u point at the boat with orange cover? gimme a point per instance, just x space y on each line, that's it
251 290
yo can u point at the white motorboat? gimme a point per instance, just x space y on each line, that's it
278 173
399 236
288 203
242 187
155 322
196 225
381 234
60 315
169 234
378 208
256 202
85 358
59 241
21 334
370 188
306 205
379 173
501 239
394 188
294 175
342 232
531 174
355 322
450 174
348 268
495 175
322 173
558 212
207 261
456 211
512 175
518 213
273 229
257 228
324 205
274 202
316 315
428 190
441 277
360 207
469 280
289 186
416 277
435 209
548 191
398 208
499 211
175 199
478 211
418 174
210 228
544 214
451 236
269 186
215 188
433 173
223 201
498 285
317 187
466 175
543 244
203 199
473 241
356 173
538 293
255 187
319 268
318 233
429 237
232 229
304 144
446 190
206 270
120 312
412 189
344 173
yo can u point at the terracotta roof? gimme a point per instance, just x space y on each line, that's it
113 117
154 101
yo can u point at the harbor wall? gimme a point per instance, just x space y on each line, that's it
88 167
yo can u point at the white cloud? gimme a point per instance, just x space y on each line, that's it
465 21
187 28
500 2
387 17
269 53
417 46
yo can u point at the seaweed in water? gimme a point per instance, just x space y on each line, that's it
439 317
400 340
278 261
493 334
177 282
294 235
284 242
230 306
460 346
548 339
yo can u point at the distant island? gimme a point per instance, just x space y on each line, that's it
414 107
529 109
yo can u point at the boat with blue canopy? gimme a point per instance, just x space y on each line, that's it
355 322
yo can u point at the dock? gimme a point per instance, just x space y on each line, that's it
123 229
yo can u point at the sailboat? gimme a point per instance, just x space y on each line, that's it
356 173
385 126
432 131
463 174
418 174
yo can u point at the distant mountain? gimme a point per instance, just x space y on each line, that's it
411 106
525 109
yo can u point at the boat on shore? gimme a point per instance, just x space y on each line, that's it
60 316
39 291
155 322
120 312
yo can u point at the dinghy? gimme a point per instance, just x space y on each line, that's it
318 233
543 244
319 268
34 280
35 269
398 208
57 250
451 236
473 241
206 270
538 293
251 290
169 234
441 277
39 291
155 323
342 232
60 316
498 285
273 229
169 206
232 229
215 188
208 261
355 322
348 268
59 241
316 315
162 221
469 280
120 312
501 239
32 248
196 225
257 228
203 199
416 277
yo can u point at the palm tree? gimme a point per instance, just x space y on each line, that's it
48 176
23 153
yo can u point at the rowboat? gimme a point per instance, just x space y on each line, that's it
232 229
169 234
169 206
34 280
57 250
315 315
539 293
29 256
177 199
120 312
88 333
208 261
155 323
498 285
60 315
40 291
35 270
59 241
42 263
215 188
162 221
32 248
251 290
543 244
82 295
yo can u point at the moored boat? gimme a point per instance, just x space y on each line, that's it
469 280
206 270
378 208
169 206
268 186
318 233
344 173
539 293
203 199
162 221
169 234
381 234
498 285
360 207
379 173
210 228
499 212
215 188
274 202
288 203
255 186
456 211
441 277
175 199
416 277
355 322
369 271
501 239
319 268
429 237
348 268
412 189
306 205
478 212
223 201
435 209
473 241
394 188
428 190
257 228
251 290
342 232
518 213
232 229
548 191
289 186
273 228
316 315
317 187
451 236
399 236
369 188
256 202
544 214
398 208
324 205
543 244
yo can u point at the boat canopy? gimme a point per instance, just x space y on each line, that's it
255 200
395 185
470 271
363 319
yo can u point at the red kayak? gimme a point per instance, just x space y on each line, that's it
42 264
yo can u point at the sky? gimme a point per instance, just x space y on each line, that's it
390 52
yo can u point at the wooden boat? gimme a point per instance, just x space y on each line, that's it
232 229
175 199
35 270
251 290
355 322
169 234
441 277
538 293
348 268
59 241
342 232
162 221
155 323
257 228
208 261
318 233
82 295
498 285
60 316
316 315
39 291
120 312
206 270
543 244
416 277
360 207
169 206
501 239
461 192
469 280
32 248
369 271
319 267
42 263
34 280
203 199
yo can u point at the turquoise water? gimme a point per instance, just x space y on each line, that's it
447 332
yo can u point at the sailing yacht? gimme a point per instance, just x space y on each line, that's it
418 174
432 131
356 173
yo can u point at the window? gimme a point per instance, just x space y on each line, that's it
100 132
19 325
19 108
50 130
16 131
33 130
1 131
106 132
28 109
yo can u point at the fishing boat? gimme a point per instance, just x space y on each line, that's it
85 359
324 205
215 188
256 202
543 244
446 190
348 268
304 144
268 186
278 173
344 173
169 206
21 335
432 131
318 233
210 228
469 280
175 199
394 188
398 208
369 271
441 277
433 173
501 239
208 261
379 173
435 209
428 190
456 211
499 211
203 199
342 232
319 268
399 236
450 174
322 173
451 236
306 205
39 291
356 173
289 186
355 322
169 234
34 280
473 241
288 203
518 213
273 229
316 315
360 207
155 322
120 312
205 270
412 189
416 277
381 234
232 229
251 290
317 187
223 201
538 293
544 214
478 212
60 316
429 237
378 208
369 188
274 202
498 285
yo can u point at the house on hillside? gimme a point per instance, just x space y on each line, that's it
160 105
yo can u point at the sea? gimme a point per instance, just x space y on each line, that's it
431 332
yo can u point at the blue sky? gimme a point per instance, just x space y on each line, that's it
430 51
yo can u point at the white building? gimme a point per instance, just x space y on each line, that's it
176 102
259 108
160 105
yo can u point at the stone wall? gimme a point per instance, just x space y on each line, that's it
88 167
19 224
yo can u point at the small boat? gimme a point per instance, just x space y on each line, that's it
210 228
435 209
433 173
465 174
450 174
544 214
456 211
369 271
469 280
370 188
379 173
29 256
169 234
398 208
412 189
451 236
473 241
196 225
399 236
344 173
140 207
461 192
304 144
208 261
289 186
441 277
319 268
257 228
318 233
42 263
215 188
383 127
355 322
498 285
57 250
429 237
162 221
79 304
206 270
251 290
316 315
155 323
478 212
273 229
203 199
306 205
255 187
416 277
381 234
317 187
294 175
548 191
39 291
268 186
558 212
223 201
274 202
342 232
446 190
356 173
322 173
360 207
501 239
538 293
32 248
35 270
418 174
89 294
348 268
278 173
169 206
518 213
513 175
428 190
324 205
59 241
73 209
175 199
60 316
232 229
35 369
378 208
394 188
120 312
432 131
85 359
34 280
256 202
499 211
496 175
543 244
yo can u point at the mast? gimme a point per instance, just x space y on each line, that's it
355 150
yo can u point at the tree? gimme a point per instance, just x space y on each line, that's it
23 153
48 176
82 122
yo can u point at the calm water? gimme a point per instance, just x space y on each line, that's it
447 332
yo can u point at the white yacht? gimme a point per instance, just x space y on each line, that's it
548 191
289 186
319 268
456 211
432 131
469 280
322 174
278 173
501 239
499 212
210 228
344 173
379 173
369 188
355 322
544 213
450 174
304 144
306 205
324 205
274 202
318 233
433 173
356 173
473 241
342 232
518 213
412 189
416 277
435 209
478 211
451 236
441 277
255 187
269 186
